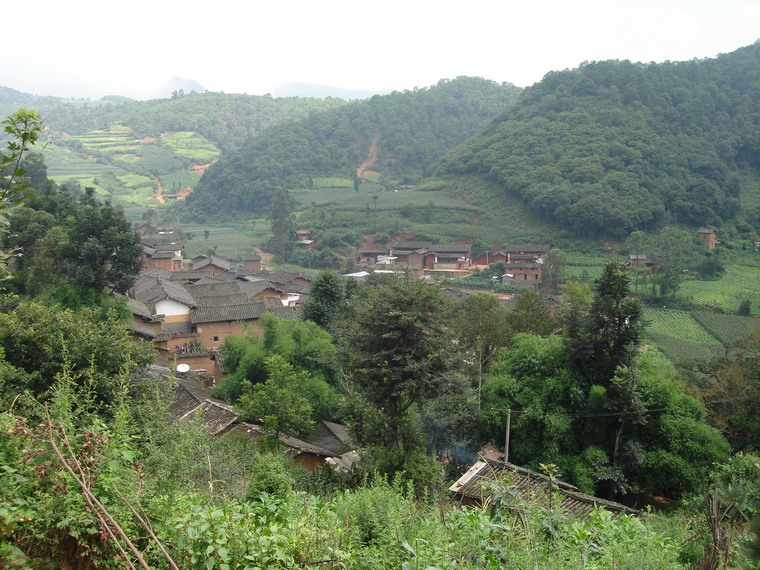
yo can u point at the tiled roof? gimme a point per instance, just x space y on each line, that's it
139 308
412 245
153 289
285 277
521 265
227 313
451 248
292 443
331 436
527 248
188 275
529 485
141 329
213 260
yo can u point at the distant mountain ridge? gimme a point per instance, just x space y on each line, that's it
323 91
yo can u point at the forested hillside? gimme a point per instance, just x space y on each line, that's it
616 146
398 135
226 120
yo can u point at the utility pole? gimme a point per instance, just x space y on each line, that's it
507 430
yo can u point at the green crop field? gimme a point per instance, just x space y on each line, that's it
333 182
191 146
727 328
739 283
684 351
678 324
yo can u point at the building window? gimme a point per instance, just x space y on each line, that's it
216 338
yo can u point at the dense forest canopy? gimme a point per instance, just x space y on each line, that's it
406 132
615 146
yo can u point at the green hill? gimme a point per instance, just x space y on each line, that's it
615 146
397 136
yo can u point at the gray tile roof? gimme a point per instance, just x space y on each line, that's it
412 245
528 248
150 290
213 260
529 485
463 248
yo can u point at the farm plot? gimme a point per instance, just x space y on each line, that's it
191 146
684 351
679 324
727 328
739 283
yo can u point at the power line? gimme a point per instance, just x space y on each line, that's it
621 413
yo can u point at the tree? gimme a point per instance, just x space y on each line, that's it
91 345
282 223
531 315
102 250
278 401
607 336
23 127
554 269
481 325
326 297
398 352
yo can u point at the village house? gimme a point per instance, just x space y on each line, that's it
526 275
488 257
642 262
166 256
476 486
525 253
708 238
251 264
371 256
218 419
213 263
188 320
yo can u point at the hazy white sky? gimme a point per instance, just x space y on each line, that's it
92 48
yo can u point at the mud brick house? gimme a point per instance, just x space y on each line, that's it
526 253
215 323
166 256
489 257
523 274
370 256
251 263
448 256
188 320
708 238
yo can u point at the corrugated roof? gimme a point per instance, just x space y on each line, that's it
529 485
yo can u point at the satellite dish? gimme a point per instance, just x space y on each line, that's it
183 368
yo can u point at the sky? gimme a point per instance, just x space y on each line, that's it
91 48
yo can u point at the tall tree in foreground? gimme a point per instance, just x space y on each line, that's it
23 127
